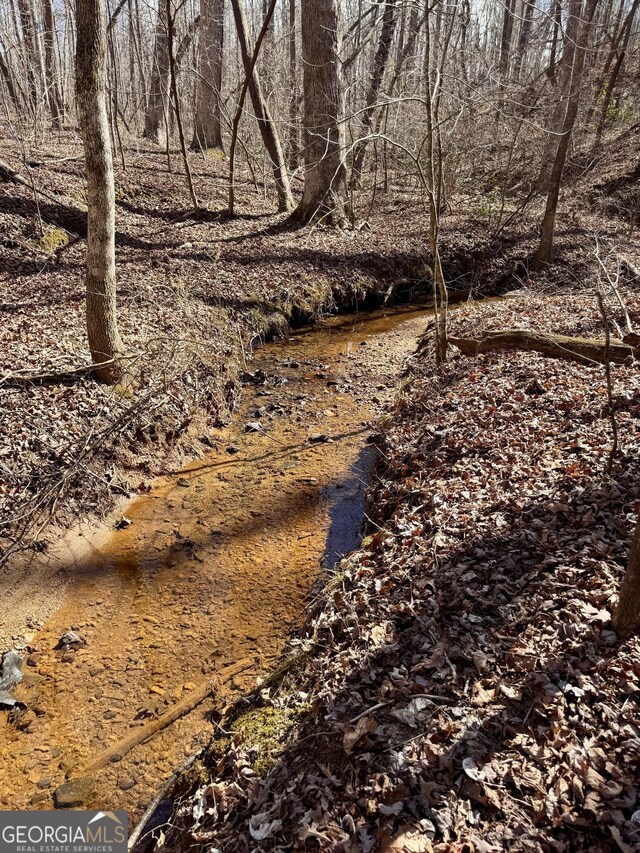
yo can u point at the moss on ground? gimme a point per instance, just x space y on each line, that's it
52 240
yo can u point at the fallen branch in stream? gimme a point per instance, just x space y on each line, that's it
180 709
583 350
79 787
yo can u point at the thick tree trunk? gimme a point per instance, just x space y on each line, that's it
389 20
544 253
51 65
583 350
325 197
626 618
268 128
207 127
155 120
102 327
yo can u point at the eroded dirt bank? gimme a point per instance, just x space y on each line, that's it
216 565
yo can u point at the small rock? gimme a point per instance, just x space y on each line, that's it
233 449
95 670
253 426
34 659
68 657
126 783
109 715
44 783
183 483
319 438
24 721
73 793
70 640
123 523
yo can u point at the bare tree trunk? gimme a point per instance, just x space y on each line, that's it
523 36
268 128
102 326
389 20
207 127
544 254
30 50
325 195
626 618
155 120
613 78
51 65
293 142
176 108
8 80
563 74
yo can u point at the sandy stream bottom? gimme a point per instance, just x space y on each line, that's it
217 565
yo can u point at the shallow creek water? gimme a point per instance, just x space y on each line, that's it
216 565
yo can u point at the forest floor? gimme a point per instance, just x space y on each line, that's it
458 685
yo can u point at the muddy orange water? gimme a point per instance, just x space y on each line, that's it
216 565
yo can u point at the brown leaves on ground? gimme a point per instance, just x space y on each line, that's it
466 689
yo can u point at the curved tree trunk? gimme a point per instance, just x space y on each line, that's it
325 196
102 326
207 126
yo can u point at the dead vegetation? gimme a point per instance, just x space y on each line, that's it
466 689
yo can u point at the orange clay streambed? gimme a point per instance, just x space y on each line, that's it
216 565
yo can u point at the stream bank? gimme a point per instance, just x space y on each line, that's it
214 564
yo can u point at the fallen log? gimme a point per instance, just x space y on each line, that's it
583 350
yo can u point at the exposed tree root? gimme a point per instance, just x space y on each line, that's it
583 350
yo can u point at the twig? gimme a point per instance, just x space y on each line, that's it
159 797
607 372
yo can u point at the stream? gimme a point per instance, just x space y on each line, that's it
216 564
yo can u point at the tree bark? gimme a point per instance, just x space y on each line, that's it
8 80
207 127
381 58
626 618
325 196
583 350
523 36
30 50
613 78
267 126
544 253
293 140
155 120
102 326
50 59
